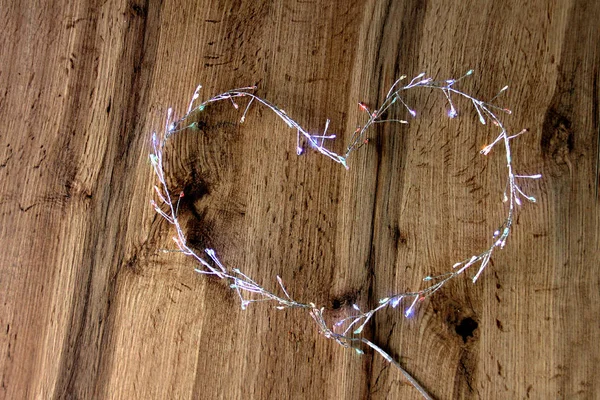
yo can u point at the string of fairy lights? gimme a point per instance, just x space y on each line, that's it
345 331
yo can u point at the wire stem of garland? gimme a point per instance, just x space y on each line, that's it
345 330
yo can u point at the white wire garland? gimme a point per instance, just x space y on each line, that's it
345 330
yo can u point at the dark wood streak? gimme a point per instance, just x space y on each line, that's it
575 147
393 41
86 361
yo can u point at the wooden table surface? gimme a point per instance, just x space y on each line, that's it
94 303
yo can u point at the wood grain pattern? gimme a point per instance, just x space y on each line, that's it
91 306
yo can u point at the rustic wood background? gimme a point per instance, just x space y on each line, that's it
92 305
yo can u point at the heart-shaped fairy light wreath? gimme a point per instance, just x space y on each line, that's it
343 331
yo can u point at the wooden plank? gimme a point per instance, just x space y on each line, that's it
96 306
